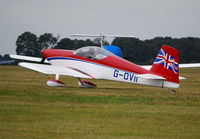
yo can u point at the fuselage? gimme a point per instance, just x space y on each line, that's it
110 67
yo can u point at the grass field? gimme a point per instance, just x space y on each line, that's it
30 109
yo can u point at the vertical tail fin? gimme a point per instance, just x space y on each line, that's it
166 65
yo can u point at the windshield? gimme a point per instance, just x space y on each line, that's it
92 52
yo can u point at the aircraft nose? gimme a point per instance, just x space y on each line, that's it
48 52
44 52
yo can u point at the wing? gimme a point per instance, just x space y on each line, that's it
192 65
50 69
28 58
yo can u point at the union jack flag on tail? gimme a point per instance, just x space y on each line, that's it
167 61
172 64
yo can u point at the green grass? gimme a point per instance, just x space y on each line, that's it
31 109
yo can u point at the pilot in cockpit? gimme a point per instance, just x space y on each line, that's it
91 53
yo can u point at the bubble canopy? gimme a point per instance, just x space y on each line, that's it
92 52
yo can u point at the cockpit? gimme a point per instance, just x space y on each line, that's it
92 52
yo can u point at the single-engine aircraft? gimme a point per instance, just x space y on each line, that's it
95 62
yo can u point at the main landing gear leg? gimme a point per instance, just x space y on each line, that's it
85 83
171 90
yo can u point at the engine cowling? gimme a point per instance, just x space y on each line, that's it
55 83
86 84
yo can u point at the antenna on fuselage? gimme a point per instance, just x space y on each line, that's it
101 37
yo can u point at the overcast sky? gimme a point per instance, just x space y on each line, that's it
144 19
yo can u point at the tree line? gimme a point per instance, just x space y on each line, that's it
5 57
134 49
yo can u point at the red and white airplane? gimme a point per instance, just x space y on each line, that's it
94 62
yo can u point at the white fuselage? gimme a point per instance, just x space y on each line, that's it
99 71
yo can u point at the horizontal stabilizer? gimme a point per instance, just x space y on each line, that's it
148 67
49 69
151 76
181 78
28 58
191 65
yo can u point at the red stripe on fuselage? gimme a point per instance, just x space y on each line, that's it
110 61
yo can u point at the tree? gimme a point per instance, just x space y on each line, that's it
135 50
46 40
27 44
144 52
6 57
65 43
82 43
